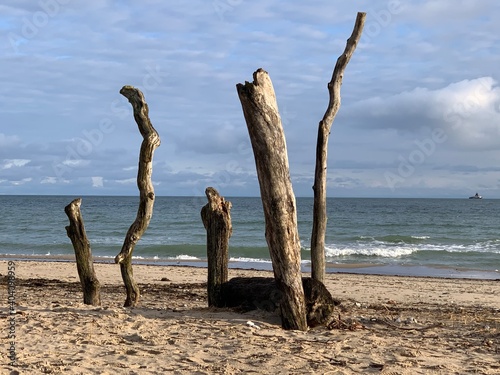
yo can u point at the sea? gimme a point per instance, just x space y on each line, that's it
411 237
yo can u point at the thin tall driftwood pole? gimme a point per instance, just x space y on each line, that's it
151 140
83 254
269 146
216 217
319 209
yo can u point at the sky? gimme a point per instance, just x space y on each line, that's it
420 113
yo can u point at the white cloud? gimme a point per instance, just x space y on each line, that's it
468 111
76 162
12 163
49 180
8 140
127 181
22 181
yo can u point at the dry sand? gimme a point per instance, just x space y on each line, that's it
388 325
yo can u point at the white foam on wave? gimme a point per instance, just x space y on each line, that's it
257 260
379 251
184 257
480 247
249 260
112 240
156 257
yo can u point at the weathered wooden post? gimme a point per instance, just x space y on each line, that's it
319 208
216 217
260 109
83 254
151 140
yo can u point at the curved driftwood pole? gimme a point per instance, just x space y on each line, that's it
83 254
269 146
216 217
151 140
319 209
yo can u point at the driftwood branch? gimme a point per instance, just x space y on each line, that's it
151 140
83 254
216 217
260 109
319 209
422 328
250 293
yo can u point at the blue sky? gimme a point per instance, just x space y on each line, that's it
420 114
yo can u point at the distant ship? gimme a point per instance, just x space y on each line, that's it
477 196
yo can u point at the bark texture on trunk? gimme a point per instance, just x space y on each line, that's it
216 217
319 209
260 109
83 254
151 140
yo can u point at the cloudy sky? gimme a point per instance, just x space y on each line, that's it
420 114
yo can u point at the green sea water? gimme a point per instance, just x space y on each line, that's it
440 233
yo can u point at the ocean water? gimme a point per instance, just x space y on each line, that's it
405 236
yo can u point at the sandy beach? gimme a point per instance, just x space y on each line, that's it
386 325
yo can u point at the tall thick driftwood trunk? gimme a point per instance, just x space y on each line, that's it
216 217
319 209
151 140
83 254
260 109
